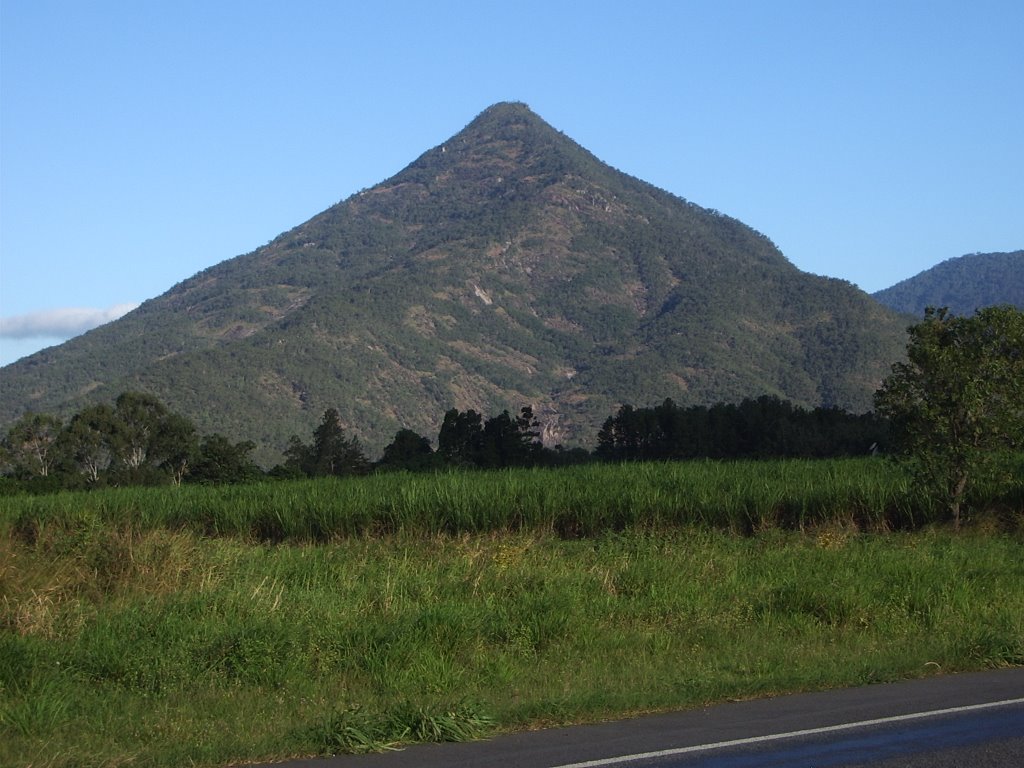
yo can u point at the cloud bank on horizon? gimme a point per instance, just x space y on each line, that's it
62 323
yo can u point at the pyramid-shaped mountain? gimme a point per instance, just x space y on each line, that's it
504 267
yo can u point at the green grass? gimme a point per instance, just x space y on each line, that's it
583 501
128 634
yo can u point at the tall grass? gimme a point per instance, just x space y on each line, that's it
220 625
169 648
574 501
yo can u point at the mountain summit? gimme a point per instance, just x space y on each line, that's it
506 266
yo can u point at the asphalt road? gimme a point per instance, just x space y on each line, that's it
974 720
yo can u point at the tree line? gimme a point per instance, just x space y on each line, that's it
139 441
766 427
136 441
949 413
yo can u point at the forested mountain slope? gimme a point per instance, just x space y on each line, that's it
506 266
963 284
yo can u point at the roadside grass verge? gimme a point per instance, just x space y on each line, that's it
130 643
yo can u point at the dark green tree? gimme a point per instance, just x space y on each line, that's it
958 399
510 442
460 438
332 452
409 451
632 434
529 433
221 461
298 460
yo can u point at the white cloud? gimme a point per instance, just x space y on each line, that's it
59 323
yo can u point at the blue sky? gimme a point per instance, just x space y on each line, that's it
141 142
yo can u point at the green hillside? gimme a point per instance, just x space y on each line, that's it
506 266
963 284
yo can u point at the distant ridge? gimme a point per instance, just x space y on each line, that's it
506 266
963 284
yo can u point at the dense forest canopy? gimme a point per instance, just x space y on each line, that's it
961 285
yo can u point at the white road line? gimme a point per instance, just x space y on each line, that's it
789 735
